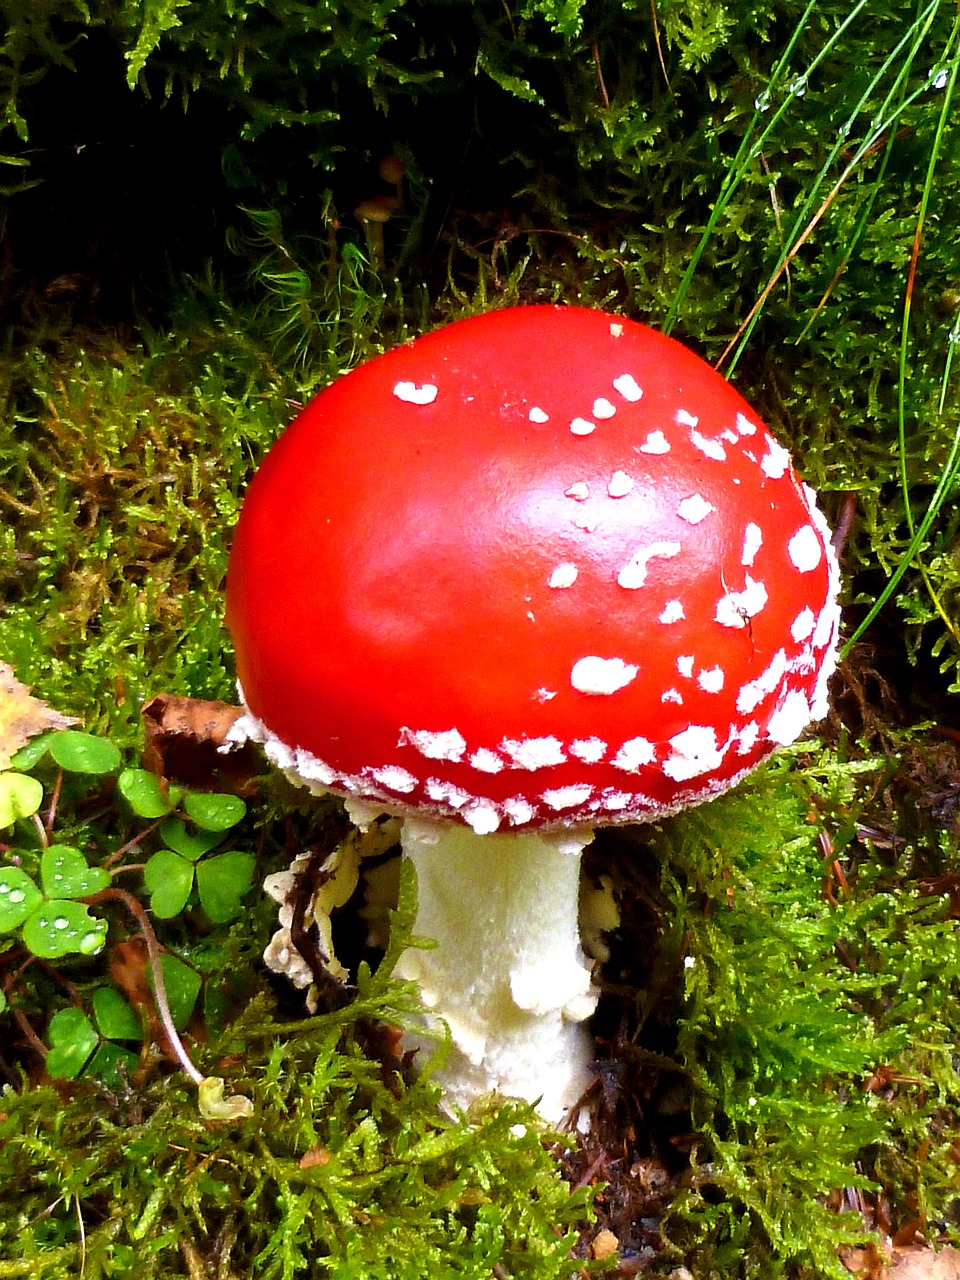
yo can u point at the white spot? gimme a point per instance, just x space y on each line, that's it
695 752
412 394
803 624
736 607
616 330
519 810
672 695
754 691
482 817
615 801
486 761
564 575
545 695
684 419
775 461
790 719
747 737
752 542
745 426
628 387
804 549
446 793
582 427
586 523
695 508
634 572
656 442
394 778
672 611
602 675
533 753
827 624
537 415
568 797
602 408
579 490
447 744
634 754
685 664
711 680
589 750
712 448
620 484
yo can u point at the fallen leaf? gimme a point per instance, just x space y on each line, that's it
183 737
22 716
923 1263
903 1262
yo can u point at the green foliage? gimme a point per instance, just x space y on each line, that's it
20 796
124 470
796 1001
77 1047
340 1167
47 889
169 874
54 923
321 298
335 1174
53 918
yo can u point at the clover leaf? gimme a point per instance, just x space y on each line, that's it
20 796
19 896
54 923
73 1040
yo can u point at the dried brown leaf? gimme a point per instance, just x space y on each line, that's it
22 716
923 1263
182 741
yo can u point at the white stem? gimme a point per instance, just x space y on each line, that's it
508 975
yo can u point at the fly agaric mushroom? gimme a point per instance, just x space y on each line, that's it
535 572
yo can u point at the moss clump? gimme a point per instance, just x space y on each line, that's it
819 1020
335 1174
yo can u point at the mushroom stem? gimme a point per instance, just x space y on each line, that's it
507 975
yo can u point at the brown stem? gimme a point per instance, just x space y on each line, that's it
54 801
134 840
20 1018
138 911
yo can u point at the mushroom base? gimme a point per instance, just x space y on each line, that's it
507 975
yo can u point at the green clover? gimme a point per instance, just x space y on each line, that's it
54 923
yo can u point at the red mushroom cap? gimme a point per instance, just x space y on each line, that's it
543 567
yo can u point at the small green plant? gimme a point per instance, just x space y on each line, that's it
173 873
48 888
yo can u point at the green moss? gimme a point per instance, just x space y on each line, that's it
124 471
819 1021
335 1174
